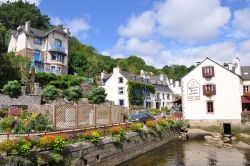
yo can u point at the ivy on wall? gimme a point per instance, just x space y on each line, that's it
137 92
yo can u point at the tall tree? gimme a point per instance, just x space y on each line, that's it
14 14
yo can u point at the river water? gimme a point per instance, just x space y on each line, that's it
191 153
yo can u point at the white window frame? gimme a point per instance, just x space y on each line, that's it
120 103
120 91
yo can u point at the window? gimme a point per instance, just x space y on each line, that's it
208 71
246 89
58 42
38 41
121 102
168 96
209 90
120 80
53 57
210 107
120 90
53 69
58 69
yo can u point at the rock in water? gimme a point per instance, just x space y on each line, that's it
242 145
197 134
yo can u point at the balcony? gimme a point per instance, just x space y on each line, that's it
57 48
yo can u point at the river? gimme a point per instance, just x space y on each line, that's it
191 153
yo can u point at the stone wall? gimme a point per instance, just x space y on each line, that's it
108 153
214 123
21 100
245 119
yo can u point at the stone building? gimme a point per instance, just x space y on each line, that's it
48 50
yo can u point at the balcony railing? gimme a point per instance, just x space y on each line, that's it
57 48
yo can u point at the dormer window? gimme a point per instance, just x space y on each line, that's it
120 80
38 41
208 71
58 42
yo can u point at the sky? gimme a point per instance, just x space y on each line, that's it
162 32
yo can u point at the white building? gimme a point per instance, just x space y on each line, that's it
212 93
116 86
48 50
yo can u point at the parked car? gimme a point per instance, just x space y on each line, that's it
141 117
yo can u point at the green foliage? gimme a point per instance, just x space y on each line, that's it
23 147
51 158
7 124
3 112
8 146
14 14
97 96
39 122
3 33
136 127
13 89
166 110
136 92
58 144
155 111
50 93
45 78
176 72
73 93
92 136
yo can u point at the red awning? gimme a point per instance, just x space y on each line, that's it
245 100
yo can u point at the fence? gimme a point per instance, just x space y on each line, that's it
69 116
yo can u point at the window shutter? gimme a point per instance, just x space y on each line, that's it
212 68
204 89
203 71
214 89
248 89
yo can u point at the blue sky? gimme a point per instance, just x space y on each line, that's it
160 31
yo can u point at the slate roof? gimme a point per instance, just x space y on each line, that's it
154 80
40 33
245 72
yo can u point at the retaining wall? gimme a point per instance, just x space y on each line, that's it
108 153
245 119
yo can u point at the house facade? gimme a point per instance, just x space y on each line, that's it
212 94
48 50
116 86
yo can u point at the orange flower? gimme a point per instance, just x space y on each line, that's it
151 123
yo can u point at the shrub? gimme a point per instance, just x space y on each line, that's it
117 130
7 124
50 93
58 143
97 96
3 112
40 122
151 123
73 93
92 136
155 111
162 122
171 120
46 141
166 110
23 147
8 146
13 89
136 127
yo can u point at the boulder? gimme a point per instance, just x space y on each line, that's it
233 138
242 145
226 139
197 134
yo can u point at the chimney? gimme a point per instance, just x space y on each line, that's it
236 64
66 30
102 74
161 77
116 69
230 66
171 81
142 74
177 83
27 26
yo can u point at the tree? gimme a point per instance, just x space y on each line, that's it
50 93
73 93
78 63
3 32
13 89
97 96
14 14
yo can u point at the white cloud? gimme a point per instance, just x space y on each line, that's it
37 2
78 25
242 19
139 26
192 20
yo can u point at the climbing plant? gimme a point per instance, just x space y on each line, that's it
137 92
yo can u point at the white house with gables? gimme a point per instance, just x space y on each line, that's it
116 86
48 50
213 94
